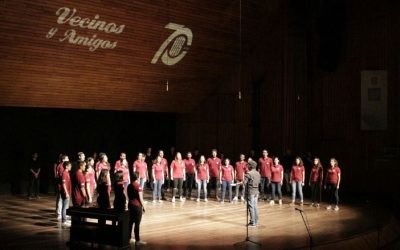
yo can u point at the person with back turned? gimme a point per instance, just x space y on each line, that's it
252 181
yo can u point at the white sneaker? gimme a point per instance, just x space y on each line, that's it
242 198
336 208
329 207
197 200
235 198
280 202
160 201
205 200
173 200
132 241
154 201
140 243
272 202
58 217
181 199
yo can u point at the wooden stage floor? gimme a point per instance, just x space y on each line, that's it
31 224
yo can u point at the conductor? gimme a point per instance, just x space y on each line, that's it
252 181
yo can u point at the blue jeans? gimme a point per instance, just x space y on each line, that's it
204 183
252 206
276 186
157 189
297 184
65 205
59 204
142 181
226 184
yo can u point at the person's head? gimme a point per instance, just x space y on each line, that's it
122 156
202 159
251 164
134 177
242 157
81 156
333 162
35 156
82 165
172 150
265 153
119 176
103 177
103 157
67 165
189 155
94 156
158 160
299 161
161 153
140 157
214 153
226 161
317 162
90 162
65 158
148 151
196 151
276 160
178 156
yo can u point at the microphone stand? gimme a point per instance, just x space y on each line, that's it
247 223
311 242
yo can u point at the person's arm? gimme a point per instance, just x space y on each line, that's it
55 170
208 175
282 176
83 191
89 195
184 174
220 176
195 174
147 173
153 174
65 190
141 200
172 171
338 183
304 176
233 175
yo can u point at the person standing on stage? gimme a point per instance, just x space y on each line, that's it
34 177
265 164
65 191
315 182
190 166
75 165
240 170
103 198
165 184
202 176
297 179
226 177
79 193
136 209
140 168
119 191
214 164
276 181
252 181
104 165
90 180
58 176
122 165
158 178
332 184
178 176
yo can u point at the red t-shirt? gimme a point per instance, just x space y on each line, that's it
332 175
77 196
90 180
65 179
140 167
202 171
214 165
133 194
297 173
226 172
59 172
125 173
265 166
276 173
177 168
100 166
158 170
241 169
189 166
316 174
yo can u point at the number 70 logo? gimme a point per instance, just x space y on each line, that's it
180 40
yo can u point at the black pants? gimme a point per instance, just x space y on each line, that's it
315 192
33 186
188 185
333 193
135 216
265 184
178 183
214 184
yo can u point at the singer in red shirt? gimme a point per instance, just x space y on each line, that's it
276 180
265 164
316 177
332 183
140 168
79 192
190 166
240 170
227 175
178 176
202 177
65 191
214 164
297 179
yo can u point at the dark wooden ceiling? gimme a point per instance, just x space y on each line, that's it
45 72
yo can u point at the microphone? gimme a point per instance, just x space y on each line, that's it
298 209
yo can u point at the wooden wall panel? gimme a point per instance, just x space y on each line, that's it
40 72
